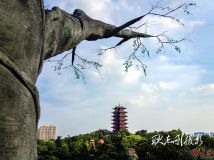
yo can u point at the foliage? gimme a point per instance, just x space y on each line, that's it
116 146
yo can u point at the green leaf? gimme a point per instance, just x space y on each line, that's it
178 49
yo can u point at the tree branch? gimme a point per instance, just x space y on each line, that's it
64 31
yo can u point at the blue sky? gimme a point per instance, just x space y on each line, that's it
178 91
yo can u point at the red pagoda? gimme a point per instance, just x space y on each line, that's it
119 118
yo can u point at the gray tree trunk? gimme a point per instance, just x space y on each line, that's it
21 47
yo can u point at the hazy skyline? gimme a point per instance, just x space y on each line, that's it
177 92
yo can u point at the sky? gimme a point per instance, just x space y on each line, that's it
177 92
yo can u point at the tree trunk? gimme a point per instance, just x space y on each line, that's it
17 119
21 45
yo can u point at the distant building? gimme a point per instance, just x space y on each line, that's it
211 134
46 132
119 118
199 134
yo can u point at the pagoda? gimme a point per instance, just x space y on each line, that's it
119 118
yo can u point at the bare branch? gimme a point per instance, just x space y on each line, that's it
73 55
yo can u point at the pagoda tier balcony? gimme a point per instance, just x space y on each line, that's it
119 111
119 124
119 119
120 115
116 112
119 107
124 121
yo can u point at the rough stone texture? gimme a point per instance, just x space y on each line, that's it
17 119
21 33
21 40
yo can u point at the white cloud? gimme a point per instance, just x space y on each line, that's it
146 97
132 75
193 24
156 25
165 70
207 89
148 88
98 9
139 101
113 66
143 101
168 85
163 58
